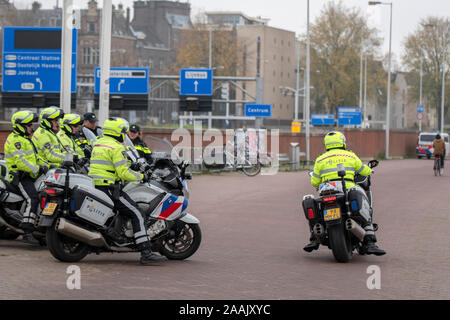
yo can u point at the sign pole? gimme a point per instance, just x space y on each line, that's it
105 60
66 56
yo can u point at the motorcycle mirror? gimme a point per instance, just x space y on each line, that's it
310 173
373 163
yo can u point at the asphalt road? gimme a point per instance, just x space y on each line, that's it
253 232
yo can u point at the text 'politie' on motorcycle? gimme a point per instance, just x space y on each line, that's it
79 218
338 214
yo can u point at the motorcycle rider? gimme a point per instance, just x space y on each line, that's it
70 124
135 135
109 166
49 146
326 169
24 166
89 122
439 150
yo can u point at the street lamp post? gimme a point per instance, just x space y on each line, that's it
388 102
307 85
420 89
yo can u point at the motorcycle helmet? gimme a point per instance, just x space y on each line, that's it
21 119
116 128
48 114
334 140
69 120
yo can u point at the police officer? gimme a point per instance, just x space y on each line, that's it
135 135
24 166
326 169
89 122
109 166
49 146
70 124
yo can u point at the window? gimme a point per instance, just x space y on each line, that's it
91 56
86 55
91 27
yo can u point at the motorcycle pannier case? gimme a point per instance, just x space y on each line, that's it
92 205
310 209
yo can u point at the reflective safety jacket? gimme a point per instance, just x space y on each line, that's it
109 163
326 167
21 155
69 144
142 148
50 148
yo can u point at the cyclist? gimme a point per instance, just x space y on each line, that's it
439 150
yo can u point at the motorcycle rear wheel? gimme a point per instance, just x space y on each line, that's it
340 243
185 245
64 248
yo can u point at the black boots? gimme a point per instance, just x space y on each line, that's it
369 246
313 245
28 238
148 256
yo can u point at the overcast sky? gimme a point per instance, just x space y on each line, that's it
291 14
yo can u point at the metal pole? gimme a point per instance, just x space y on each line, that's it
388 103
105 60
365 90
297 84
443 95
66 56
307 83
210 48
360 75
420 90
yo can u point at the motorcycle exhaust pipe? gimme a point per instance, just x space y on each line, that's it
6 224
91 238
355 228
318 229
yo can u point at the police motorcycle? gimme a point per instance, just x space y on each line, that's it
79 218
13 204
338 214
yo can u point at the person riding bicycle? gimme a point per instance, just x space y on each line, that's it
25 166
439 150
326 169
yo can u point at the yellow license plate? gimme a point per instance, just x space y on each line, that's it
49 209
332 214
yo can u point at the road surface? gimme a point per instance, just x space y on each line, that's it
253 231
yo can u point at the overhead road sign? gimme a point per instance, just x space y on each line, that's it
349 116
125 81
196 82
258 110
322 119
32 60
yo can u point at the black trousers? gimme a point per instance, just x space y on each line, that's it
28 190
126 206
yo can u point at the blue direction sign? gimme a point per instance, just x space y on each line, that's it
349 116
32 59
124 81
196 82
322 119
258 110
420 108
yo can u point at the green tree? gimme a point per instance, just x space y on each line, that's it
337 38
427 44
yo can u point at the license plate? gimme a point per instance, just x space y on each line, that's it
49 209
332 214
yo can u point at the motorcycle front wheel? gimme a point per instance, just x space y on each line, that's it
64 248
340 243
184 245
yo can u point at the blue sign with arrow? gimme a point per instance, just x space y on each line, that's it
322 119
349 116
124 81
32 59
420 108
196 82
258 110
